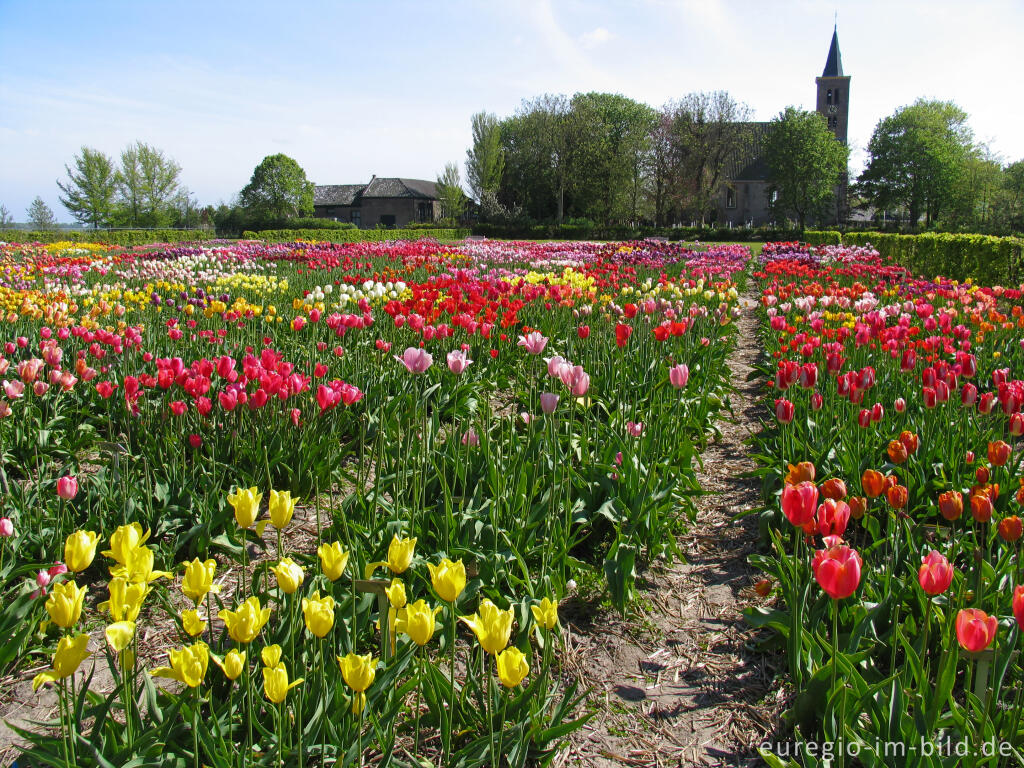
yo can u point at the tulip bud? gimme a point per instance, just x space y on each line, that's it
6 527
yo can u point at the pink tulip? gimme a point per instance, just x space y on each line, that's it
579 382
458 361
415 359
40 388
5 409
548 402
533 342
635 428
28 370
43 579
67 487
470 438
6 527
14 389
554 365
678 375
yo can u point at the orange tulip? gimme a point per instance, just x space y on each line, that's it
981 475
872 481
858 506
951 504
1011 528
998 453
897 496
834 488
897 452
803 471
981 507
910 441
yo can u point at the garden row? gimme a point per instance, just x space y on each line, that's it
464 431
892 478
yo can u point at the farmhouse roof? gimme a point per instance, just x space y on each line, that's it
834 63
336 194
747 163
349 194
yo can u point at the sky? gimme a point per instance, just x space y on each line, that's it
353 88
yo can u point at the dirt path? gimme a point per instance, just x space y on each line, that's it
679 687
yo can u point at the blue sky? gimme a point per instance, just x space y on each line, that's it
359 87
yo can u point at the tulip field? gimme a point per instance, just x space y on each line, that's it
315 504
893 486
325 504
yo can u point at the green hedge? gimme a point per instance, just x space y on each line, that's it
984 258
125 237
596 232
823 237
353 235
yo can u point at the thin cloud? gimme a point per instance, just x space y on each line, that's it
595 38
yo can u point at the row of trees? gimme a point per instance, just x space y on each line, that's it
611 160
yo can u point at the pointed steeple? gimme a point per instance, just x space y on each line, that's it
834 64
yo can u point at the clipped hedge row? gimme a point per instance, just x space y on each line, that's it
354 235
823 237
595 232
984 258
125 237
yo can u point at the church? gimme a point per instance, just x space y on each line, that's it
746 197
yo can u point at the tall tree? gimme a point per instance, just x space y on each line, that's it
917 158
147 181
1013 186
485 160
6 219
449 192
805 162
90 188
278 190
703 131
40 216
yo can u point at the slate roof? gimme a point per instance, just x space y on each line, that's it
336 194
747 164
834 63
349 194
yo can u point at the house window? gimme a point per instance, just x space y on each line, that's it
828 96
387 220
773 196
357 217
730 197
423 211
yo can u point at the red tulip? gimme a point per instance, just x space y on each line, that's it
583 331
784 411
195 440
975 630
900 405
982 475
935 574
817 401
837 569
1017 424
799 502
929 397
1018 605
833 517
622 334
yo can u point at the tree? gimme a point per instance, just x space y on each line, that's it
1013 198
484 160
805 162
278 190
6 220
917 158
147 182
449 192
40 216
89 191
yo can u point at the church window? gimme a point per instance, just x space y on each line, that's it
828 96
837 96
730 197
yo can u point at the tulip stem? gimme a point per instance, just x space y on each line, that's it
419 690
195 727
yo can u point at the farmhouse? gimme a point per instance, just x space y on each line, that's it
384 202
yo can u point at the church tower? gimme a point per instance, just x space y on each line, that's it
834 91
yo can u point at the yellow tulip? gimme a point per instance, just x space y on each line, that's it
193 622
400 552
358 672
125 599
512 667
138 568
396 593
65 603
318 613
491 625
71 652
188 664
545 614
246 503
448 578
232 665
245 623
124 541
275 683
120 634
289 575
332 560
282 507
198 579
417 621
79 550
271 655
